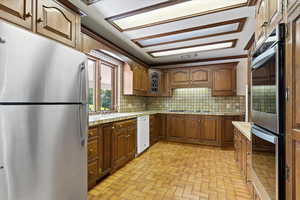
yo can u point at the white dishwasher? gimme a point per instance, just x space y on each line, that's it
143 137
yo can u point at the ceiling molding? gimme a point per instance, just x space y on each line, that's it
250 43
162 5
90 2
111 45
196 65
203 60
234 42
241 23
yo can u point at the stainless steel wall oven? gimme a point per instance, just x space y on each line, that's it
268 104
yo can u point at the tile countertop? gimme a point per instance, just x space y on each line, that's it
244 128
106 118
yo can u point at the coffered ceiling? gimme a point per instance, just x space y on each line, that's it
164 31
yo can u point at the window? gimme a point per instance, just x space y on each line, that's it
102 85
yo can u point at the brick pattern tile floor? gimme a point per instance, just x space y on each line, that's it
172 171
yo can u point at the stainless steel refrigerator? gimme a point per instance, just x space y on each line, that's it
43 118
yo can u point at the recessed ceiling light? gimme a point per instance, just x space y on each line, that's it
177 11
194 48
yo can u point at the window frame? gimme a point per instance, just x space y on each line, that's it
97 98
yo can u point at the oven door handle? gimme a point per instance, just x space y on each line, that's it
264 57
265 136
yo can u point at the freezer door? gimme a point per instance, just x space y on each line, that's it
43 153
36 69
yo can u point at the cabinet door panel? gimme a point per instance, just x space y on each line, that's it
17 11
292 105
120 147
210 131
200 77
107 138
224 81
176 127
180 77
57 22
192 132
131 142
228 131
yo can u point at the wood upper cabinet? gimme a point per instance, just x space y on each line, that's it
224 81
165 84
135 79
200 77
275 14
292 105
180 78
57 22
261 21
19 12
210 129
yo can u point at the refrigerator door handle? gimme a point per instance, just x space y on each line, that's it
83 117
83 83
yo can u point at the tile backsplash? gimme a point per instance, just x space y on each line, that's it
196 99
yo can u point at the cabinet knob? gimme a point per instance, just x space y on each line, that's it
264 24
39 20
28 15
113 127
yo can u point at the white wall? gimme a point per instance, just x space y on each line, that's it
242 77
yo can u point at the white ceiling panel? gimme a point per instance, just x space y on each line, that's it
97 13
110 8
192 34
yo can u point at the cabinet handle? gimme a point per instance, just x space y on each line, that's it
248 153
39 20
113 127
100 170
28 15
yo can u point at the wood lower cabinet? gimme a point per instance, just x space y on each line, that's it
57 22
243 157
227 138
123 143
110 146
176 127
224 80
193 128
154 128
19 12
210 133
200 129
93 156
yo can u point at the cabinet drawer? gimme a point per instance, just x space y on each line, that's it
93 171
92 132
125 124
57 22
93 149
